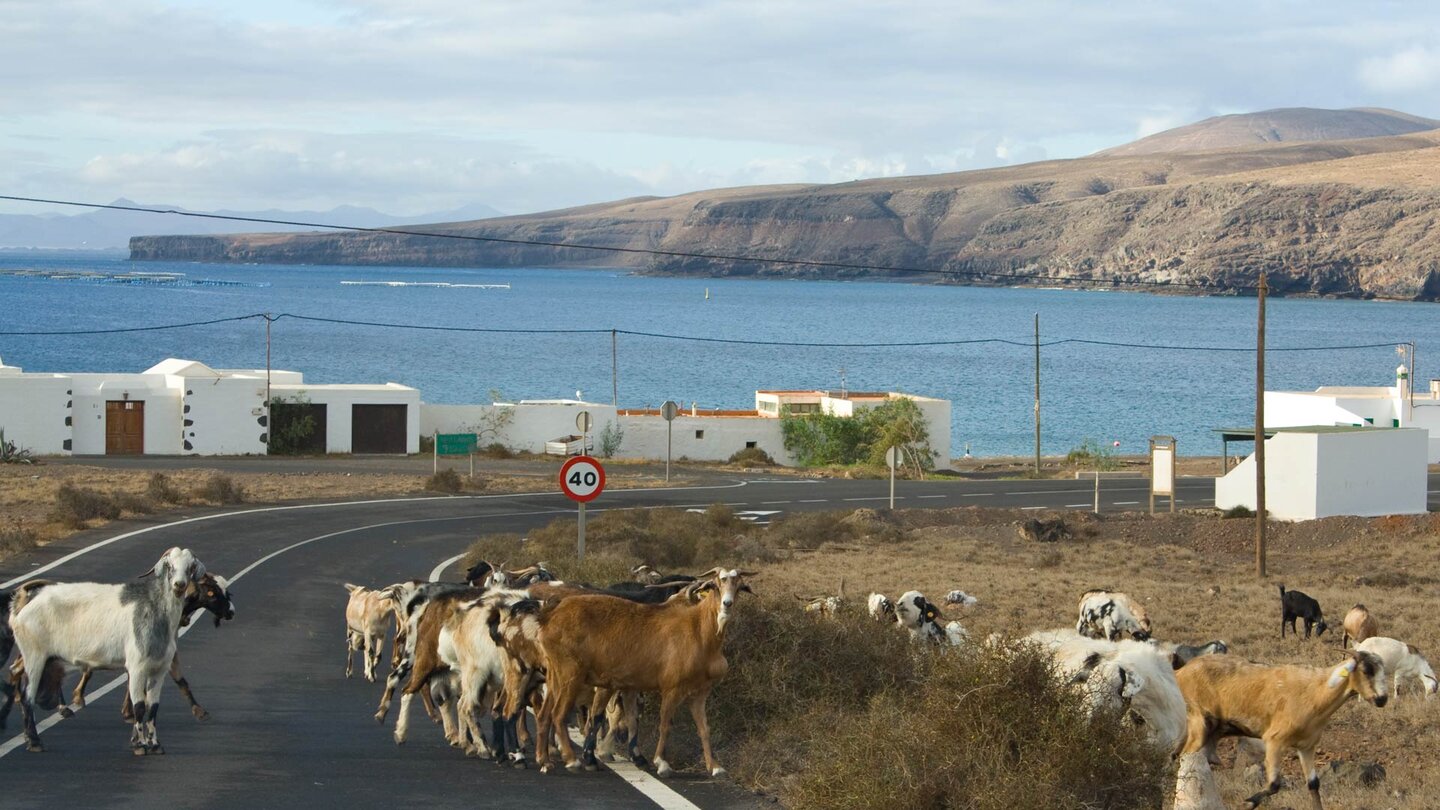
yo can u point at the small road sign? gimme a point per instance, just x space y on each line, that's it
669 410
583 422
582 479
454 444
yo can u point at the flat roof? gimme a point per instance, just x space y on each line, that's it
699 412
1248 433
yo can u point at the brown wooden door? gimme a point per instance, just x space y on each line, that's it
124 427
378 428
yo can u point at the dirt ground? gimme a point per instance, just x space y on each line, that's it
27 492
1195 574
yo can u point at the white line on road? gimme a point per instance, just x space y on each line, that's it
1034 507
932 496
439 569
1126 503
654 790
814 500
881 498
773 503
976 494
1077 505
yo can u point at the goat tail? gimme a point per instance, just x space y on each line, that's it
1282 590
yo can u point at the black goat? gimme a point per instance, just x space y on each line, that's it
1297 605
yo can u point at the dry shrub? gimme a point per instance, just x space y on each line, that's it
74 506
670 539
1393 524
16 538
134 504
982 729
444 481
496 450
751 457
513 551
162 490
811 530
221 489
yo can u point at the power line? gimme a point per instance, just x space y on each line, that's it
684 338
680 254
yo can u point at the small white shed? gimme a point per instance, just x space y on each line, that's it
1327 470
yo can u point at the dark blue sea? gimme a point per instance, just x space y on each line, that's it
1102 393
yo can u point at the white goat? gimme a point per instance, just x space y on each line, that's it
1401 661
1128 675
97 626
367 616
961 598
880 607
918 615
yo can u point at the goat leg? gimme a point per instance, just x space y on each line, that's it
1312 779
702 724
184 686
1274 752
668 705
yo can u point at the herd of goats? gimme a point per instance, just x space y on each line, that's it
505 643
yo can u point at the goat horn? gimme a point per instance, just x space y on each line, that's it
716 570
757 573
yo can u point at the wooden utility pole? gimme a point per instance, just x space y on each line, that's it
1037 394
1260 433
269 423
614 370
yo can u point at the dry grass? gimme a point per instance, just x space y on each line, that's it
1390 564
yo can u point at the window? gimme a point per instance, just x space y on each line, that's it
750 445
699 434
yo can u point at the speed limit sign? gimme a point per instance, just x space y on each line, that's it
582 479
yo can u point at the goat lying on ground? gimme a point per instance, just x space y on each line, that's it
1286 706
1358 626
960 598
673 649
100 626
367 613
1296 605
1112 615
880 607
1185 653
1402 661
827 606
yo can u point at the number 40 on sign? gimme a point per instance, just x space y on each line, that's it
582 479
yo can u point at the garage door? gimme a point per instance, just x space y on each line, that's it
378 428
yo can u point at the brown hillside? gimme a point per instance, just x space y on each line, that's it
1288 125
1347 218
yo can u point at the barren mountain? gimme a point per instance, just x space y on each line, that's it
1287 125
1356 218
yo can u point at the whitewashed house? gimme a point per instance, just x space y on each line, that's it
700 434
1361 406
184 407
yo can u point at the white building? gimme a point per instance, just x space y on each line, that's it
184 407
1321 471
1361 406
701 434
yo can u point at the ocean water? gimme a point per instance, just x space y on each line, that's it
1102 393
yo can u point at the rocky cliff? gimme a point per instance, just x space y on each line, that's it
1350 218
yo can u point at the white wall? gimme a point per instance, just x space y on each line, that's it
222 415
722 437
1310 475
35 411
530 425
162 411
339 399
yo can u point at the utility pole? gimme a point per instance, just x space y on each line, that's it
269 423
1037 394
1260 433
614 370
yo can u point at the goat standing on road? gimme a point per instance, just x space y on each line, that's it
99 626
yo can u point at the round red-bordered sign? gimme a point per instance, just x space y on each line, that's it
582 479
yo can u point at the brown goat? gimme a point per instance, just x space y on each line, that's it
1286 706
366 615
1359 625
613 644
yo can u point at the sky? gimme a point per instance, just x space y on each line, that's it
412 106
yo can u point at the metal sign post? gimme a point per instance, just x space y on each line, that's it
582 479
668 411
1162 469
583 423
892 457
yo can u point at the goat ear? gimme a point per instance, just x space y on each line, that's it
1176 661
746 589
1339 675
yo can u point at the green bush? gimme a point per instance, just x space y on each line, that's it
817 439
74 506
1239 512
611 437
221 489
12 453
292 425
751 457
1092 455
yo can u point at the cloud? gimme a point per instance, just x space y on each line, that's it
424 103
1414 69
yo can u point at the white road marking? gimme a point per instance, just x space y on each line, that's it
932 496
814 500
1126 503
881 498
1077 505
773 503
1034 507
117 538
439 569
654 790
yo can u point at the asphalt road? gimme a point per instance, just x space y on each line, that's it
288 730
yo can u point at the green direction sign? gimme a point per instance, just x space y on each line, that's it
454 444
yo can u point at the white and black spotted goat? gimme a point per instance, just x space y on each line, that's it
922 619
130 626
1111 615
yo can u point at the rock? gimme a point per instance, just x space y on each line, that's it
1213 590
1255 774
1044 531
1367 774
